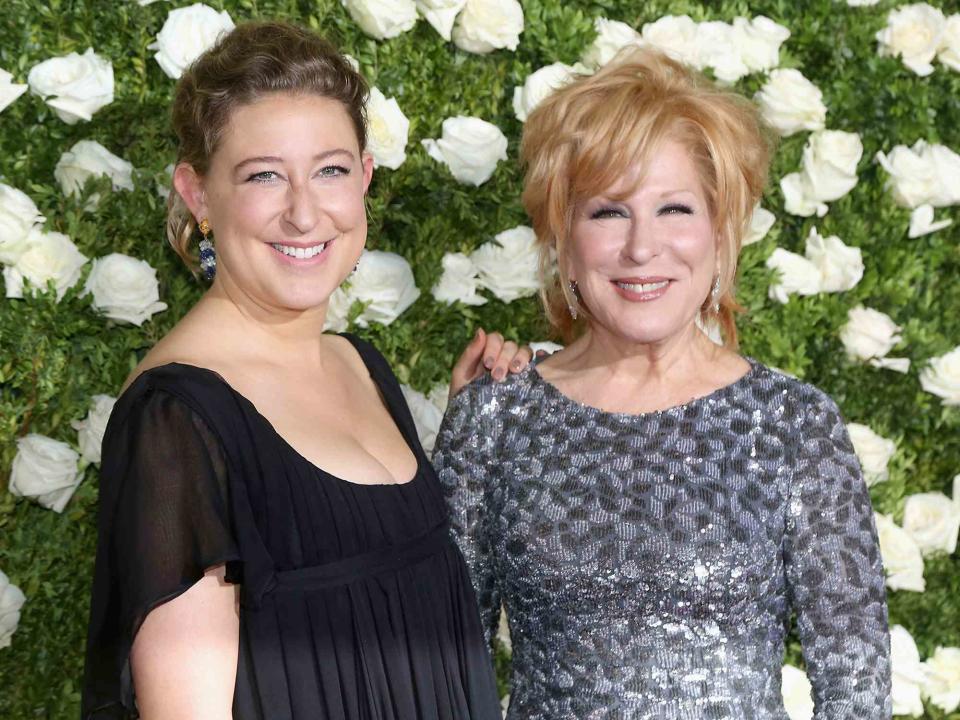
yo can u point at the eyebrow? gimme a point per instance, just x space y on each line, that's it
276 159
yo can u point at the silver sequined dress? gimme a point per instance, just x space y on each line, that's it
649 564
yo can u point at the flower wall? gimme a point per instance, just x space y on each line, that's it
849 274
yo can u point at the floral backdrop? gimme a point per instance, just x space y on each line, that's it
849 274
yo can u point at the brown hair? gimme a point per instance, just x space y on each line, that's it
251 61
587 135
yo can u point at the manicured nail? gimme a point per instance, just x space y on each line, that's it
516 365
488 363
498 374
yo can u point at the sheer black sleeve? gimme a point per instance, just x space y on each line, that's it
163 520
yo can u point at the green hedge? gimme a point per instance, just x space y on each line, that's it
54 357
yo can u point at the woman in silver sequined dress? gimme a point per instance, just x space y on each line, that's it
650 506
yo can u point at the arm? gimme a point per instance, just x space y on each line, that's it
834 574
464 458
184 658
164 629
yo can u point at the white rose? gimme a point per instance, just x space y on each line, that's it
48 256
439 395
9 90
717 50
547 346
612 37
124 288
87 159
799 198
11 600
841 266
509 264
90 430
791 103
873 452
387 130
384 283
75 86
538 86
186 34
45 470
488 25
946 169
18 216
902 560
830 160
382 19
908 674
922 222
676 35
426 416
760 223
470 147
942 377
913 32
458 282
338 310
949 53
441 14
933 521
759 42
797 693
503 631
796 274
868 333
913 177
941 678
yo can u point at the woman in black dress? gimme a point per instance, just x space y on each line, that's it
272 538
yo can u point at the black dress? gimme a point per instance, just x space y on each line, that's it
355 602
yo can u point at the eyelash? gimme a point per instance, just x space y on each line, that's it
267 176
672 209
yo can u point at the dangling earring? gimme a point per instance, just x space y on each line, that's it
715 296
208 256
572 306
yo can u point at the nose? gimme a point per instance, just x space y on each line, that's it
303 211
643 242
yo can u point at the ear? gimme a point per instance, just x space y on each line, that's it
188 183
366 160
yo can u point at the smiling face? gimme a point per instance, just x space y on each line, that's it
645 264
284 197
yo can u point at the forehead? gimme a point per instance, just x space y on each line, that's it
667 166
284 124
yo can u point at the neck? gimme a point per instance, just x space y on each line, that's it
282 334
683 355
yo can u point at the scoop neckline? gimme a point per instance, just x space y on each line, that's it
713 396
286 443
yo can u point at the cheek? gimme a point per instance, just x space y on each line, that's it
593 249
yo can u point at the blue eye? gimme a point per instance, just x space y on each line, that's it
263 177
675 209
334 171
606 212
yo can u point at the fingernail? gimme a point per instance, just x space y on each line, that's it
498 374
516 365
488 363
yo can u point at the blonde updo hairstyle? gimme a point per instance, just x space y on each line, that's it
251 61
589 134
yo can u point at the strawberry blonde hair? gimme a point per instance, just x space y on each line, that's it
589 134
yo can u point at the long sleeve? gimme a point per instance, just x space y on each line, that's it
163 520
465 460
834 573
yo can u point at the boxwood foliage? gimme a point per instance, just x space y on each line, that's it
55 356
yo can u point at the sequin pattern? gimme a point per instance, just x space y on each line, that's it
649 564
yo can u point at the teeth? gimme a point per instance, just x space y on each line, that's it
643 287
300 253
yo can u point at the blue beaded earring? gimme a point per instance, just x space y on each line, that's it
208 256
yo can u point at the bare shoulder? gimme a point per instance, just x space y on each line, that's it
185 343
